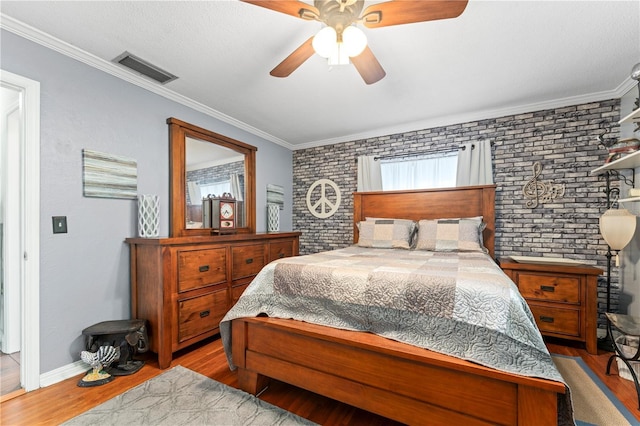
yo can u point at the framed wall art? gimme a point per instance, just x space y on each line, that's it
108 175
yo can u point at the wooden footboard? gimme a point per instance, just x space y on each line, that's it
396 380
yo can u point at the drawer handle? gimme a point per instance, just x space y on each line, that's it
546 319
548 288
204 313
248 261
204 268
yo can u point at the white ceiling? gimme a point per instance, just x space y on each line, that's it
497 58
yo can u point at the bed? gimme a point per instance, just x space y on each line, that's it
401 381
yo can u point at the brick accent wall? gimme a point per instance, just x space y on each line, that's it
563 140
215 174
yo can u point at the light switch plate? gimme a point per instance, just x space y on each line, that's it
59 224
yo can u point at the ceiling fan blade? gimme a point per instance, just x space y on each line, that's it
293 8
399 12
293 61
368 66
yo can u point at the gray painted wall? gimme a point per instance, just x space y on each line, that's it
85 273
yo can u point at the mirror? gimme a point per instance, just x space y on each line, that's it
204 163
212 170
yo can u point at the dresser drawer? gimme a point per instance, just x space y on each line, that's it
201 314
200 268
557 320
236 292
280 249
247 260
549 288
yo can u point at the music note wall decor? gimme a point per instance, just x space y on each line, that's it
538 192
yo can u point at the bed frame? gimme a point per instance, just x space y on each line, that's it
396 380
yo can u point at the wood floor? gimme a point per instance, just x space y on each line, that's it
9 373
55 404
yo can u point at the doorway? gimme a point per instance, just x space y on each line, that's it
19 232
10 330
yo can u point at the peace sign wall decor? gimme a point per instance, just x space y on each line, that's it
323 207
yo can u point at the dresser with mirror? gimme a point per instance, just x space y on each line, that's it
184 284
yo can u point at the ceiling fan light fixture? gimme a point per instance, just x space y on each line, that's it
328 44
340 15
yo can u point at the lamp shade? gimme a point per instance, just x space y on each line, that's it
353 40
324 43
617 227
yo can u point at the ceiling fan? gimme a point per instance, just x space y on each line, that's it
341 40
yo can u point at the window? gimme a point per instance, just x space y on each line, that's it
436 171
215 188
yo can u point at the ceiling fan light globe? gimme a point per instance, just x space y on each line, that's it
354 41
325 42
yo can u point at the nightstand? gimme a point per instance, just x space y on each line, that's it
562 297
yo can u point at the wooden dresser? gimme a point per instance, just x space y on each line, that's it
563 298
184 286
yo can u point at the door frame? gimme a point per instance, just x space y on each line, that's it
30 228
12 121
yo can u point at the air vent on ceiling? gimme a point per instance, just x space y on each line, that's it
145 68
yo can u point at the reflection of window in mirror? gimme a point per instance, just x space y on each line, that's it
212 171
431 171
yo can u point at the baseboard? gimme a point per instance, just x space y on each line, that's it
65 372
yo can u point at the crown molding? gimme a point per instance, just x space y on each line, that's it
618 92
33 34
46 40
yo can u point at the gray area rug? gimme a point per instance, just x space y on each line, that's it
183 397
593 402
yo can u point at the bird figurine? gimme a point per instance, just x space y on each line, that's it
99 361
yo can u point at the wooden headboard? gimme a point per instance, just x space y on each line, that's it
419 204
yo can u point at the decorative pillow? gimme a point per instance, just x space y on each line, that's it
458 234
386 233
